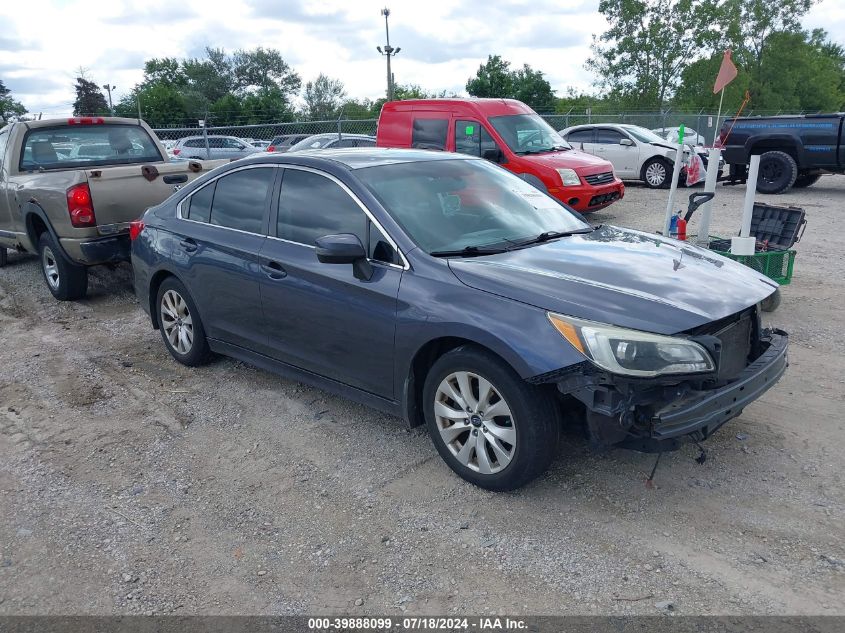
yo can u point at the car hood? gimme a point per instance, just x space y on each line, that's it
619 276
572 159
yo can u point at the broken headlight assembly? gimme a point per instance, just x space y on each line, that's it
632 352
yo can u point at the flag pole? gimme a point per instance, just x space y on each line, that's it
718 116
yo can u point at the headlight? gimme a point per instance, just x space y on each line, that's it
631 352
569 177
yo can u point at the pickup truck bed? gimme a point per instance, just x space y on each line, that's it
70 187
794 150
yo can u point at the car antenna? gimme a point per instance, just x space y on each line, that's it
649 483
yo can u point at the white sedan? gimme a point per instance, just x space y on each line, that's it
636 152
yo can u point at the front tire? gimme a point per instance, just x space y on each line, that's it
771 303
656 174
65 280
180 324
778 172
490 426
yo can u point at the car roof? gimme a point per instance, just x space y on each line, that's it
355 158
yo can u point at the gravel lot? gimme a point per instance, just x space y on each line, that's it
130 484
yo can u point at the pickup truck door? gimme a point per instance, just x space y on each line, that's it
122 193
5 209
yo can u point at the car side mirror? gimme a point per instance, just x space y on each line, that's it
344 248
626 141
493 155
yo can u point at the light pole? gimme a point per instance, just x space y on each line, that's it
108 89
388 52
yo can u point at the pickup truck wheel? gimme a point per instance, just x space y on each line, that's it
657 173
805 180
771 303
67 281
490 426
180 324
778 172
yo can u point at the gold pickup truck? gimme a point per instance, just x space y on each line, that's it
70 187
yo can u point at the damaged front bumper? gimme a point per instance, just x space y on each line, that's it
660 414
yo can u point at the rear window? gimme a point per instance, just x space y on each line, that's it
71 146
430 133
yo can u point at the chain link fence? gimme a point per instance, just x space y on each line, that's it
704 123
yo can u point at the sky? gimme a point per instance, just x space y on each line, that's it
443 42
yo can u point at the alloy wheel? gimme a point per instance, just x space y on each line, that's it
51 267
475 422
655 174
176 321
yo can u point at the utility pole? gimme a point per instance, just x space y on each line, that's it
388 52
109 88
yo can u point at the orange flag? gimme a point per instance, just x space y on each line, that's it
727 73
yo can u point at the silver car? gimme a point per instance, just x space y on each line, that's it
194 147
334 140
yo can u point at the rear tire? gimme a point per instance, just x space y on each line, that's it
778 172
491 427
805 180
657 173
180 324
65 280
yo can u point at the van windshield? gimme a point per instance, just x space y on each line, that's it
528 134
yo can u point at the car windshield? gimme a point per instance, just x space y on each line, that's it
450 205
91 145
313 142
642 134
528 134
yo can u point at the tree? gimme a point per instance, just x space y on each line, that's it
89 99
162 105
639 57
263 69
493 79
747 27
323 98
530 87
212 77
9 107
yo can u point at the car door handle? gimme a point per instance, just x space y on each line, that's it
188 245
175 179
274 270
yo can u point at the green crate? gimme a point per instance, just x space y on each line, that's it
776 265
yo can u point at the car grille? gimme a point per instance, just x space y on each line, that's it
600 179
604 198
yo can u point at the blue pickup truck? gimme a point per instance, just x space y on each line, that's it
794 150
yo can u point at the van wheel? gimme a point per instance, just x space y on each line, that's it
778 172
67 281
657 173
490 426
180 324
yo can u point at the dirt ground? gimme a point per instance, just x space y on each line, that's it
130 484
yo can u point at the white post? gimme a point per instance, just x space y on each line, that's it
670 205
744 244
703 230
718 116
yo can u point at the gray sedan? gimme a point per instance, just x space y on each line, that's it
194 147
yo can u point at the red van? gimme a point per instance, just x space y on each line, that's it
506 132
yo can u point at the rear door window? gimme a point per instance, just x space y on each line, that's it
199 204
430 133
580 136
240 199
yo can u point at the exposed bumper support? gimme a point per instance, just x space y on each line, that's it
655 416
